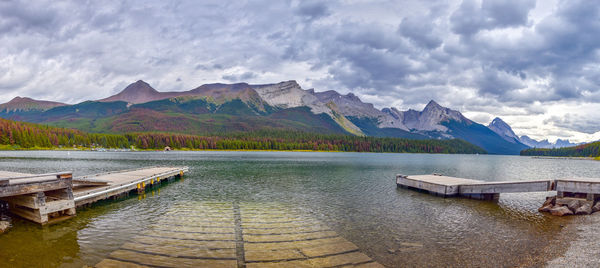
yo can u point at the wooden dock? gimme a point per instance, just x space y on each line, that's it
97 187
450 186
588 188
41 198
49 198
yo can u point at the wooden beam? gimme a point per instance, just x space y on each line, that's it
34 201
28 188
58 175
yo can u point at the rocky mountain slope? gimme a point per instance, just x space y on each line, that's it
220 107
505 131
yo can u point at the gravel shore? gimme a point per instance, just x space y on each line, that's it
584 248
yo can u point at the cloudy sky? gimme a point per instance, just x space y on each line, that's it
534 64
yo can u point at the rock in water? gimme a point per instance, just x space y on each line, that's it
573 205
596 207
545 208
551 200
561 211
585 209
4 226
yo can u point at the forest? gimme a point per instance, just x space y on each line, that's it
19 135
584 150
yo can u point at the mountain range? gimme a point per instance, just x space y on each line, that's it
505 131
217 108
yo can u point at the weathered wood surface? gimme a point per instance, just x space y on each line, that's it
437 184
215 234
451 186
44 198
34 187
41 198
89 182
117 183
7 177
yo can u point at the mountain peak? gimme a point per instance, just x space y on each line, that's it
19 99
138 92
140 87
499 122
431 118
27 104
504 130
433 105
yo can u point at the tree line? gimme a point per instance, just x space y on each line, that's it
584 150
28 135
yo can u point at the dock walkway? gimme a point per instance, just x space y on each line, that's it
92 188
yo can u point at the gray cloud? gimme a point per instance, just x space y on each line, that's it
482 56
575 122
312 9
243 77
473 16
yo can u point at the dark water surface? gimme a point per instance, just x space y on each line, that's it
353 193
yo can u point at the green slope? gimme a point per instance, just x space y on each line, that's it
189 115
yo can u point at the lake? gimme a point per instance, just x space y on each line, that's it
354 194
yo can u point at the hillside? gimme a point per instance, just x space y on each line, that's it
24 104
18 135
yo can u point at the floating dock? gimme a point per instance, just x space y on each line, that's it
436 184
450 186
97 187
49 198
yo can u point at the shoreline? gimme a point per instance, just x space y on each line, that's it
213 150
583 247
567 157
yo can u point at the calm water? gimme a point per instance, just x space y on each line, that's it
354 193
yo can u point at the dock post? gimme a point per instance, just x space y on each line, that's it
591 197
141 187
